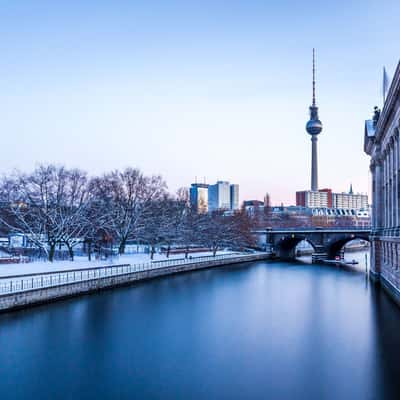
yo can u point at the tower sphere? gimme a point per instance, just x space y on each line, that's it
314 126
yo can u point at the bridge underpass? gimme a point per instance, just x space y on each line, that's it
326 243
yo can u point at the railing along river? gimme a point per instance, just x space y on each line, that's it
21 283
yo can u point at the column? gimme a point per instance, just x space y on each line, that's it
385 208
388 188
394 182
378 192
374 218
397 178
391 184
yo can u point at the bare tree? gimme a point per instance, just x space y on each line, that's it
49 205
175 211
214 230
155 221
218 230
189 230
74 208
124 197
240 231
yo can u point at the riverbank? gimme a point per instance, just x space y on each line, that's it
21 291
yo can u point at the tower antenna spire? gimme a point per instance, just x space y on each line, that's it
313 77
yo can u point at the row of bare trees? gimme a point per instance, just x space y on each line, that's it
54 205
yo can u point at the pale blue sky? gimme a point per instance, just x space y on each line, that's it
215 89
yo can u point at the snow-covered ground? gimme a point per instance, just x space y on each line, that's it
82 262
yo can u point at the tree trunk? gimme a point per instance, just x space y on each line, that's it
121 249
52 251
90 250
71 252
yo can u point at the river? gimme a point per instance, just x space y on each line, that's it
262 330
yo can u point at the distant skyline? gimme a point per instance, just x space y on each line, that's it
188 90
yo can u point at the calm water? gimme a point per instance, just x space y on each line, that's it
256 331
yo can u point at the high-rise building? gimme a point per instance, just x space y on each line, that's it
314 128
234 191
219 196
324 198
199 197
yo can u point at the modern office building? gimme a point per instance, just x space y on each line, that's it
199 197
219 196
382 143
223 196
234 199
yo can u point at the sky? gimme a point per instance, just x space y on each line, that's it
215 90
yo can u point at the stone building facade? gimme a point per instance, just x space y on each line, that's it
382 143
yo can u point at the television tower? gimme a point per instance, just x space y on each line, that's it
314 128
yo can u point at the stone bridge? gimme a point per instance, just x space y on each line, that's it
326 242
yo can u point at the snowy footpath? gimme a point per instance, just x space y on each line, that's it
42 282
82 262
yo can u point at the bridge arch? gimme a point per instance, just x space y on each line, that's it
286 245
336 244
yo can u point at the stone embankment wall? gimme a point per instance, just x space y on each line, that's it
28 298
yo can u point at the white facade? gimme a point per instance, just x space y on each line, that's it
219 196
349 201
316 199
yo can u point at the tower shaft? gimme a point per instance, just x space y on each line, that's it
314 163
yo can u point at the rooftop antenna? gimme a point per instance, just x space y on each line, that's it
313 77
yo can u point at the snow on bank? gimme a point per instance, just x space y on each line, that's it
82 262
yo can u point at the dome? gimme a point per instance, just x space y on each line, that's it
314 126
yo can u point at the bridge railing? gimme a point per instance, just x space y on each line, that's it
20 283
